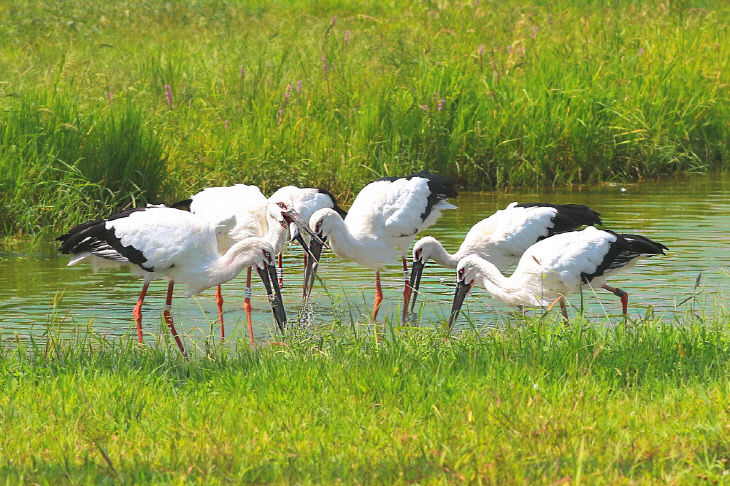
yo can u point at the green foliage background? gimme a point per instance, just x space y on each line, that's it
499 93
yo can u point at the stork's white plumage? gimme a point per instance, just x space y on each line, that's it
177 245
556 267
384 218
249 209
503 237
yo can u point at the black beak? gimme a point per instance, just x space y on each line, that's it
415 283
315 251
300 239
291 216
271 282
462 288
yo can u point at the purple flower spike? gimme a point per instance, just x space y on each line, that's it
287 93
481 50
299 87
441 105
324 64
534 32
476 3
347 36
168 95
227 123
640 52
110 97
243 71
424 107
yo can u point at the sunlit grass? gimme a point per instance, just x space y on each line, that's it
336 93
527 402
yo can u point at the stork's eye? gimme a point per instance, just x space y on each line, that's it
419 252
281 205
267 255
318 226
461 273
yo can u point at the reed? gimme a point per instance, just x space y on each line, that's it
335 93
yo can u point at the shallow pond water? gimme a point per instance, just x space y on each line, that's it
690 215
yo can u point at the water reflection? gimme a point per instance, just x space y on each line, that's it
691 216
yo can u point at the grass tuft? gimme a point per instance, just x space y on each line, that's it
533 402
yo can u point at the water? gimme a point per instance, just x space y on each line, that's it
689 215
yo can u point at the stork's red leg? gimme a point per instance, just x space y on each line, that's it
168 318
376 305
406 290
624 296
137 313
378 296
563 308
281 271
247 304
219 301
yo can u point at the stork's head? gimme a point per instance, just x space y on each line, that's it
424 249
322 221
279 211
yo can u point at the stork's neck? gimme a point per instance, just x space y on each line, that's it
344 243
504 288
228 265
443 257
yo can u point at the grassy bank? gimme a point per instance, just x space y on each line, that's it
174 96
535 403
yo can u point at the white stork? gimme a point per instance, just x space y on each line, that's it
386 215
182 247
555 267
503 237
238 212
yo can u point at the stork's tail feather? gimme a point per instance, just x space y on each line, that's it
183 205
93 237
569 217
643 245
573 216
79 228
76 239
335 206
443 186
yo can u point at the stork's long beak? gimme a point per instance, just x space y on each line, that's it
415 282
462 288
271 282
292 217
310 271
296 235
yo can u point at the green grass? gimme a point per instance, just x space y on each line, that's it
529 403
561 92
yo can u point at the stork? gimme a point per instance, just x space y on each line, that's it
179 246
385 216
555 267
503 237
